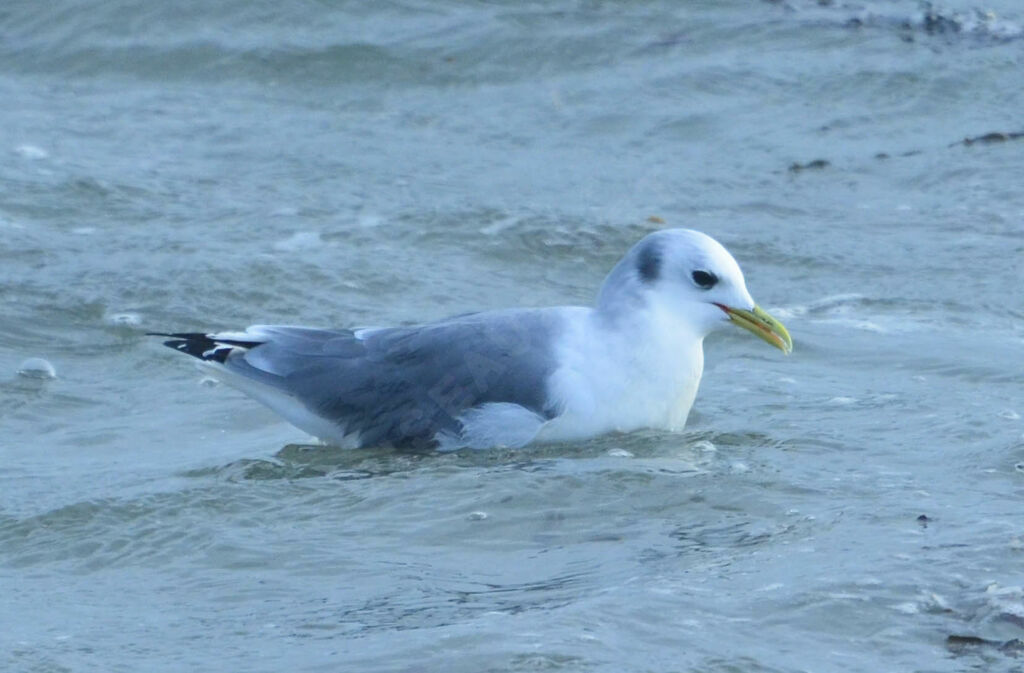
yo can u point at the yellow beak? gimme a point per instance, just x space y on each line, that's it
761 323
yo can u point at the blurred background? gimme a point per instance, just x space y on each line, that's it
858 506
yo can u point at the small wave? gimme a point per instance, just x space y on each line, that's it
911 20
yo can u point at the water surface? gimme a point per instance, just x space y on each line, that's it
854 507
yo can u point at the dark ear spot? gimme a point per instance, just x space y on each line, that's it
648 263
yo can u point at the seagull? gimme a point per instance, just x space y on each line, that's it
510 377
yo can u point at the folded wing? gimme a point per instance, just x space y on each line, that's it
475 378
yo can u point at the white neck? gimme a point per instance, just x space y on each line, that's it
636 369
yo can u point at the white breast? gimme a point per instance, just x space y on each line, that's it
624 377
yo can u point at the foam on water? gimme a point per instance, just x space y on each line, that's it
31 152
126 319
37 368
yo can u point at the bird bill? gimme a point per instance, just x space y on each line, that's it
761 323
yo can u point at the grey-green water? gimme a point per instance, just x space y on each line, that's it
198 165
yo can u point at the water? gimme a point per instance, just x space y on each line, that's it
854 507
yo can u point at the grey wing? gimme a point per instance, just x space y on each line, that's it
405 386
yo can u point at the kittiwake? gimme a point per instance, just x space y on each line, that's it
511 377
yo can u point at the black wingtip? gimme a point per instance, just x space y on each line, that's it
203 346
196 344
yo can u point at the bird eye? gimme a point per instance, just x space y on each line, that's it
705 280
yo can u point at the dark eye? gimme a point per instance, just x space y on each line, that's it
705 280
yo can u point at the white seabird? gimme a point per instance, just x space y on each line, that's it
508 377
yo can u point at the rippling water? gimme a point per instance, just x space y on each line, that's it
858 506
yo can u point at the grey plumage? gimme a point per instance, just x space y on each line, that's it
397 386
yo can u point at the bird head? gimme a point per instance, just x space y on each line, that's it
691 276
